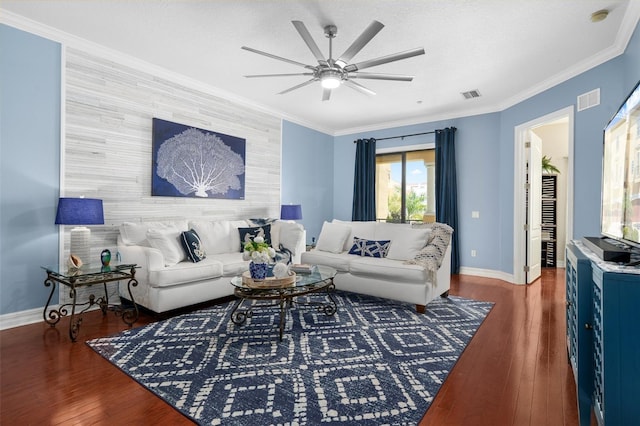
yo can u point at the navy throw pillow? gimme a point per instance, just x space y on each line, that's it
247 234
370 248
192 246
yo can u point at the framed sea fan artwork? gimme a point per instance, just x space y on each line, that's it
197 163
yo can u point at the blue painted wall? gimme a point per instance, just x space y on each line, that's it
477 173
29 187
307 174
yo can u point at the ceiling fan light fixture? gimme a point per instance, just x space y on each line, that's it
332 73
330 79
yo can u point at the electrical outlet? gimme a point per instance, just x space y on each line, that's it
473 253
475 214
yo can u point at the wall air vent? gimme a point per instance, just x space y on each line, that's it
589 100
471 94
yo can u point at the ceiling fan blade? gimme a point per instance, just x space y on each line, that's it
358 87
370 32
311 44
297 86
269 55
326 94
384 59
374 76
279 75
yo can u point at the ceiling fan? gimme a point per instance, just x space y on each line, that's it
333 72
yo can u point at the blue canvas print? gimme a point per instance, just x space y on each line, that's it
191 162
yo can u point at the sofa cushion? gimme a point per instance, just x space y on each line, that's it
247 234
406 242
287 234
167 240
387 269
232 263
369 248
336 260
333 237
364 229
215 235
192 246
135 233
185 272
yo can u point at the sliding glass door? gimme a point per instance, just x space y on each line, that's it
405 186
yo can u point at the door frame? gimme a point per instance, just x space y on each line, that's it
519 181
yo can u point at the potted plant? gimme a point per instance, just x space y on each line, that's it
260 254
547 167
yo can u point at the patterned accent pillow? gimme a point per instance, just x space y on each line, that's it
370 248
192 246
247 234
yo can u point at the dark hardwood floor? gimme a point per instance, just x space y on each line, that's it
513 372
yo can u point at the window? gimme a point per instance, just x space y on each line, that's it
405 186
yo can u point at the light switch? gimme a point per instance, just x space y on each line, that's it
475 214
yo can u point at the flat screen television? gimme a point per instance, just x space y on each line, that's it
620 214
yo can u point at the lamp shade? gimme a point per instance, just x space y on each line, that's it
79 211
291 212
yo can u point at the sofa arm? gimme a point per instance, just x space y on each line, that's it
147 258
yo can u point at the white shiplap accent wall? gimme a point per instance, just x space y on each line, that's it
107 147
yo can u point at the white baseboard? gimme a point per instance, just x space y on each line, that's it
487 273
16 319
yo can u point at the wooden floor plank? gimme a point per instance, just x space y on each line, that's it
513 372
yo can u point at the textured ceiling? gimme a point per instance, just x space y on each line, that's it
506 49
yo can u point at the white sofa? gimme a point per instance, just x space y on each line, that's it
389 277
168 280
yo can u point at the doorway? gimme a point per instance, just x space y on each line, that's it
556 131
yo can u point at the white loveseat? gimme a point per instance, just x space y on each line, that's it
168 280
389 277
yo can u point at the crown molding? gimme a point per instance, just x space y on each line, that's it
417 120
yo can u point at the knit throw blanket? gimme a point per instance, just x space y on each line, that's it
430 257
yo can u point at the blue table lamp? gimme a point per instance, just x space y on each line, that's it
291 212
80 211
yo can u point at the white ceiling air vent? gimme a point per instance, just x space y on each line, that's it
471 94
589 99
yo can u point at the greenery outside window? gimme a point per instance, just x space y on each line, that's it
405 186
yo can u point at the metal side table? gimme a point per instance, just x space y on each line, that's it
89 275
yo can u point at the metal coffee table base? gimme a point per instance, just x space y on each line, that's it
283 299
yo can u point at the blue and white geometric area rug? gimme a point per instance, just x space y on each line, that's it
374 362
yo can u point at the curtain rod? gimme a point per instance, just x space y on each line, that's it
403 136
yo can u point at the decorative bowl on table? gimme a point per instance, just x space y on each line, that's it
269 282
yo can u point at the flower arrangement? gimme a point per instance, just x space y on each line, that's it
258 251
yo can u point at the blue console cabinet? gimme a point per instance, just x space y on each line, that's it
603 337
616 338
579 328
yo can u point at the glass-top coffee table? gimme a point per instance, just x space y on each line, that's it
320 279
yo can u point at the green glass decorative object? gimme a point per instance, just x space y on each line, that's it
105 257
